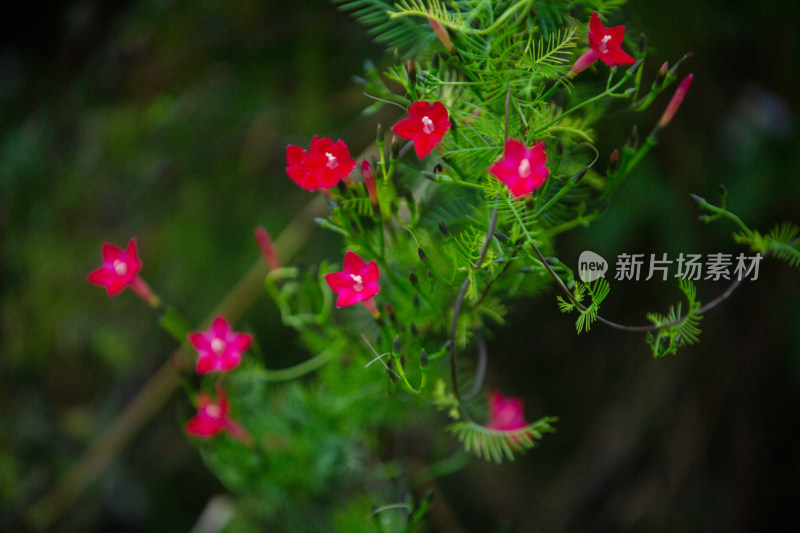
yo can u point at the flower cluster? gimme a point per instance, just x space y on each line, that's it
219 349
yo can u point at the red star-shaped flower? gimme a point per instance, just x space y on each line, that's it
119 270
219 348
505 414
213 418
605 44
522 169
322 166
358 281
425 126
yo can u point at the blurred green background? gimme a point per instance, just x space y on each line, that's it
169 121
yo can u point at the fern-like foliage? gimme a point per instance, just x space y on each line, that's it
598 290
676 330
400 33
782 242
429 9
491 444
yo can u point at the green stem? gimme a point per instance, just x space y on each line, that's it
607 92
304 368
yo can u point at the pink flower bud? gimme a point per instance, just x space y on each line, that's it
441 33
677 100
268 251
369 181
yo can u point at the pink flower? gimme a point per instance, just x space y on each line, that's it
322 167
522 169
505 414
426 125
213 418
358 282
120 269
219 348
605 45
676 101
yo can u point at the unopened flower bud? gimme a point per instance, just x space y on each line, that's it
380 136
268 251
393 375
578 176
642 43
613 162
412 75
395 147
441 32
412 277
673 72
435 60
423 257
677 100
633 140
423 358
396 345
635 67
369 181
443 229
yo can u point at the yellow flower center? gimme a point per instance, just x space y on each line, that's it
524 168
333 162
120 267
359 282
603 46
218 346
427 125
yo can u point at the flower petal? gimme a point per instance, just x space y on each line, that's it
203 426
339 281
199 341
348 298
371 273
439 113
206 362
616 56
417 110
240 342
295 155
424 144
353 264
596 26
407 128
515 151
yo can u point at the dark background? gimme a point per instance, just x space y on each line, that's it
169 121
